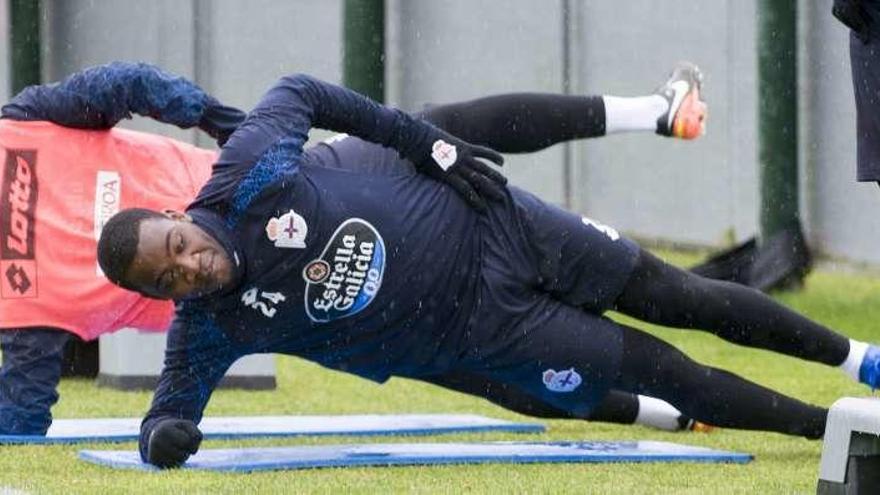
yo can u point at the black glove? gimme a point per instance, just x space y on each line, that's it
220 121
852 13
172 441
457 163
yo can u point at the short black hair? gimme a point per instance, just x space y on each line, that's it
119 241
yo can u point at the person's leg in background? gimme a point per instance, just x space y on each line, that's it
861 17
29 376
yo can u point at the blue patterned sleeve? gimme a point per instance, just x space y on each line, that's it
277 128
196 358
99 97
300 102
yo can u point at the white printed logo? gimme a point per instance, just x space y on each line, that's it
561 381
609 231
335 138
108 196
288 230
108 192
262 301
444 154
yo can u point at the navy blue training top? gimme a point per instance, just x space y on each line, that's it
373 274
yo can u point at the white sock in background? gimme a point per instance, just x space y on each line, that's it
639 113
854 358
657 413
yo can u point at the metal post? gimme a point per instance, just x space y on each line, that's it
567 76
24 17
779 258
364 47
777 116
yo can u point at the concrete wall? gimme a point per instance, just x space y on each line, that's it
244 47
686 191
446 50
233 49
5 62
442 51
81 33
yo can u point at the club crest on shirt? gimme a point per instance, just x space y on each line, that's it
348 274
316 271
288 230
444 154
561 381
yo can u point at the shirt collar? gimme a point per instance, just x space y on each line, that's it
215 225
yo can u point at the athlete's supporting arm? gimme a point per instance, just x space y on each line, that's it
278 127
99 97
196 358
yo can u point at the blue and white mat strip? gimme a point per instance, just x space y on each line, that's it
401 454
127 429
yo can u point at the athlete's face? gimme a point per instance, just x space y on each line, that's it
176 259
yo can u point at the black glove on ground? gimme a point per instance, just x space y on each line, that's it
172 441
458 163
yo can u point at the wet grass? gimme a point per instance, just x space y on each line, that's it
846 302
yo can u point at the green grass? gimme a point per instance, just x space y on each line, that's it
782 465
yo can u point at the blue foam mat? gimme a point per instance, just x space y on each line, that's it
127 429
401 454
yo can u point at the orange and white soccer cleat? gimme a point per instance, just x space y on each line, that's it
689 424
701 427
686 116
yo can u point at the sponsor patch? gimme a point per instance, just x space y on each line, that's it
18 279
561 381
19 195
348 275
287 231
108 196
444 154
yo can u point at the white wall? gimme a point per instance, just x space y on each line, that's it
244 47
5 62
82 33
233 49
684 191
440 51
450 50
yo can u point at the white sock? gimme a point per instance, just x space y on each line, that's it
657 413
854 358
639 113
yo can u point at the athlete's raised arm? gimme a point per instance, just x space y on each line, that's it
99 97
279 125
